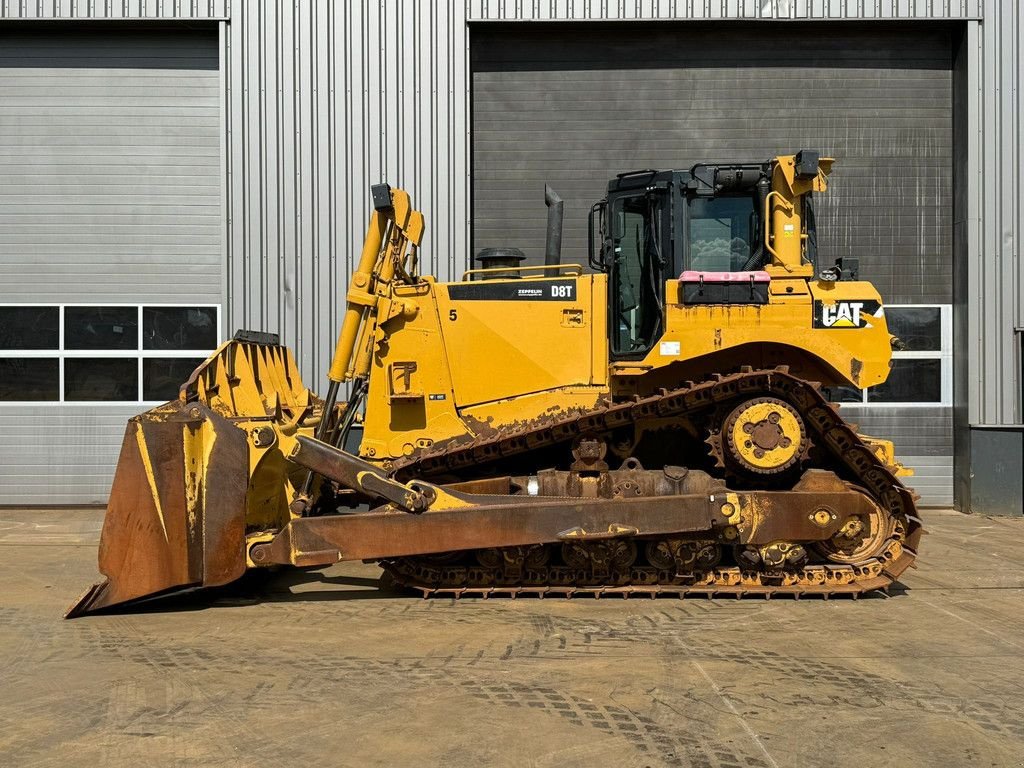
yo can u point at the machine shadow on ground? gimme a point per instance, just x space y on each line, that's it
326 585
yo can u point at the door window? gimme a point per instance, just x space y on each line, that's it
636 273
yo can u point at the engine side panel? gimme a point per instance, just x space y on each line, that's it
507 338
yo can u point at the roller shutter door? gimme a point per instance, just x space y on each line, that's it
110 193
572 105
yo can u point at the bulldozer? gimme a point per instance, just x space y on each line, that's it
655 422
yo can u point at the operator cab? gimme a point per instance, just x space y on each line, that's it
656 225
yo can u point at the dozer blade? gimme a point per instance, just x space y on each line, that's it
176 516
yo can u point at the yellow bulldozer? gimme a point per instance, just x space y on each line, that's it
655 425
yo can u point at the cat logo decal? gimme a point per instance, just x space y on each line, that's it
846 314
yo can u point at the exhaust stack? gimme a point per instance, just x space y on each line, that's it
553 242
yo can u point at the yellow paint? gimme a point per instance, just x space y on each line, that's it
748 449
147 464
779 332
197 445
517 347
784 216
886 451
441 368
732 507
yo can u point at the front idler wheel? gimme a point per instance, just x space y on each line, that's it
861 537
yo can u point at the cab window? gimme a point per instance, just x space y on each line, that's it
636 273
722 234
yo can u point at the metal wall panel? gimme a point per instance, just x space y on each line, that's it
323 100
989 229
712 10
374 58
575 109
109 166
997 454
996 217
109 191
61 455
923 438
115 10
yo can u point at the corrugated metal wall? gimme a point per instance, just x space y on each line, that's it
627 10
324 99
989 292
127 10
714 91
109 192
996 283
332 76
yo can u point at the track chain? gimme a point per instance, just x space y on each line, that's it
828 430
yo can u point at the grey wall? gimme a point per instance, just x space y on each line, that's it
109 191
923 437
995 214
323 100
575 109
300 74
109 165
999 489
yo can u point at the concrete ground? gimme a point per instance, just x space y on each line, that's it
321 668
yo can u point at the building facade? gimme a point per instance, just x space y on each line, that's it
172 171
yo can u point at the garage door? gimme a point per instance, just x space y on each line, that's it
572 105
110 241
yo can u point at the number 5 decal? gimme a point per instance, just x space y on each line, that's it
452 315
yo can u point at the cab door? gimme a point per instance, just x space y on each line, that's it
638 229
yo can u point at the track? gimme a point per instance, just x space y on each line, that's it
549 572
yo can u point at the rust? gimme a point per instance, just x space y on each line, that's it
353 472
589 453
879 492
493 522
484 431
155 539
662 531
491 485
497 522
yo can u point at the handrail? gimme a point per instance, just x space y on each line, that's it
577 270
768 223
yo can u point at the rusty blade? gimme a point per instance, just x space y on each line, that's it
176 515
